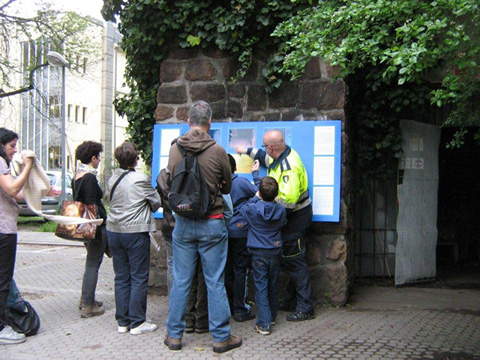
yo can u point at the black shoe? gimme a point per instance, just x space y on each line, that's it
241 317
189 329
231 343
300 316
201 330
172 343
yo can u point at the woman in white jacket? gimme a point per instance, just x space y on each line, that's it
132 201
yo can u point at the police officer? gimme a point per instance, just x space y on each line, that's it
285 165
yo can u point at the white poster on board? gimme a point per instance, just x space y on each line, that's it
163 162
324 140
324 170
322 200
168 135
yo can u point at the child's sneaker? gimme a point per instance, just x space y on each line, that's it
262 330
122 329
10 336
145 327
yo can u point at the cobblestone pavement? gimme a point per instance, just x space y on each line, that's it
50 278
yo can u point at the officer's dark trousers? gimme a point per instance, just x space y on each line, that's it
294 262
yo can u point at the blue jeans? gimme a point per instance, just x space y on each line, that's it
265 267
131 260
206 239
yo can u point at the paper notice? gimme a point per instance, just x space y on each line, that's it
324 140
168 135
323 201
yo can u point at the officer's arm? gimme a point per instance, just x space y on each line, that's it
258 154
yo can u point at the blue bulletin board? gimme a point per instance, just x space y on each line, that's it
317 142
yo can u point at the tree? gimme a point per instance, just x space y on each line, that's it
65 32
150 28
408 53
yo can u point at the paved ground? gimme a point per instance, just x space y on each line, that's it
381 322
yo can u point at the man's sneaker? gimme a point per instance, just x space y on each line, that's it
201 330
145 327
189 328
122 329
88 311
262 330
10 336
240 317
232 343
172 343
300 316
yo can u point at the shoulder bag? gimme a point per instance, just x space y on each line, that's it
79 232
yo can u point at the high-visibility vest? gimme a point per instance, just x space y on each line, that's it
291 175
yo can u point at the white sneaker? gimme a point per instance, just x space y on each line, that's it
10 336
122 329
143 328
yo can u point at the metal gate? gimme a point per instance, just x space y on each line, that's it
375 236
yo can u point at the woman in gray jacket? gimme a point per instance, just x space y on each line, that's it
132 201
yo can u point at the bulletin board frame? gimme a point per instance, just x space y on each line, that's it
317 142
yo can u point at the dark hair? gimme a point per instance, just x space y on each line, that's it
5 137
86 150
233 163
268 188
126 155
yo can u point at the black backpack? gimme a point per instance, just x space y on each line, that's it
189 195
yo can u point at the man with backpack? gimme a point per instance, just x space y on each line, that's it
199 174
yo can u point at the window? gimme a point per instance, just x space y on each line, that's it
77 110
84 115
84 66
69 112
54 106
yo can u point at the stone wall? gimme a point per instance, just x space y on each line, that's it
188 75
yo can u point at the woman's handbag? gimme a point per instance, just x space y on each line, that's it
80 232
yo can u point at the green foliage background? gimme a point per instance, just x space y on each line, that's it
149 27
400 58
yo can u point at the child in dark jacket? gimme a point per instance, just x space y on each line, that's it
238 261
265 220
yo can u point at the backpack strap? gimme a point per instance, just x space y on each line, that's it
118 181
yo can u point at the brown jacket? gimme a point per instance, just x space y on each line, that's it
213 161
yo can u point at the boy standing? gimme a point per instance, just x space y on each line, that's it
265 220
238 261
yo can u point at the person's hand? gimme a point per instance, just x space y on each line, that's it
255 165
27 161
240 149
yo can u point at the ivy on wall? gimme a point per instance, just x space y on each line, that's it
150 27
401 59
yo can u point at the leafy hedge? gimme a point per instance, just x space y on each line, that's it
150 27
401 58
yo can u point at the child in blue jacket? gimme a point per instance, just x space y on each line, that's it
265 220
238 262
